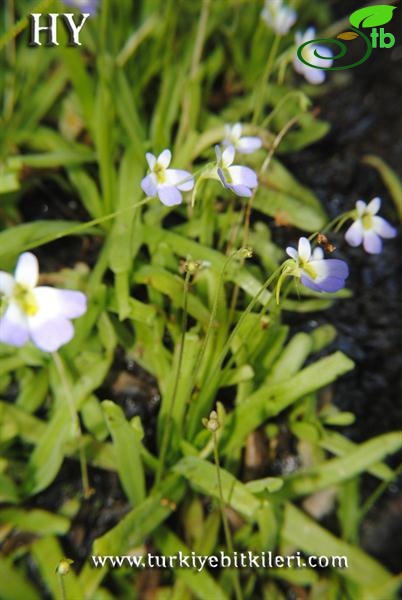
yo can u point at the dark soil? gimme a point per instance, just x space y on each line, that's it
366 119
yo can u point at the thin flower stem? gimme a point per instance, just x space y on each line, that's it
226 528
260 96
62 586
167 429
76 422
83 226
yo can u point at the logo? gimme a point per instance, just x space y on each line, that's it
370 17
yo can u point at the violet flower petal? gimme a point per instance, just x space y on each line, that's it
169 195
383 228
13 327
372 242
149 186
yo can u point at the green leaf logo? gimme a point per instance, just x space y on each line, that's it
372 16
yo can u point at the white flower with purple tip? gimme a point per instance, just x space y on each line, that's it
166 183
39 313
311 74
316 272
278 17
369 228
241 180
243 144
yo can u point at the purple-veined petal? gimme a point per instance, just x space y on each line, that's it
243 176
183 180
54 302
149 185
7 283
304 249
372 242
49 335
331 284
354 235
27 270
361 207
374 206
13 327
248 144
228 156
164 158
151 160
292 252
383 228
169 195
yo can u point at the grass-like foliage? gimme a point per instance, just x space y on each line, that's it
196 294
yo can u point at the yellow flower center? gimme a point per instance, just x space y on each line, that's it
367 221
307 268
160 173
25 299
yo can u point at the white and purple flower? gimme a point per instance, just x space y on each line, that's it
311 74
243 144
84 6
41 314
166 183
241 180
316 272
369 228
278 17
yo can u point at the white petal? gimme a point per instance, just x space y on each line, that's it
236 131
317 254
304 249
61 303
374 206
7 283
228 156
383 228
27 270
354 235
151 160
183 180
164 158
292 252
243 176
326 53
13 327
361 207
218 153
247 145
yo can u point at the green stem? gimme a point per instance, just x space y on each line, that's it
82 226
167 429
62 586
260 95
76 422
226 528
